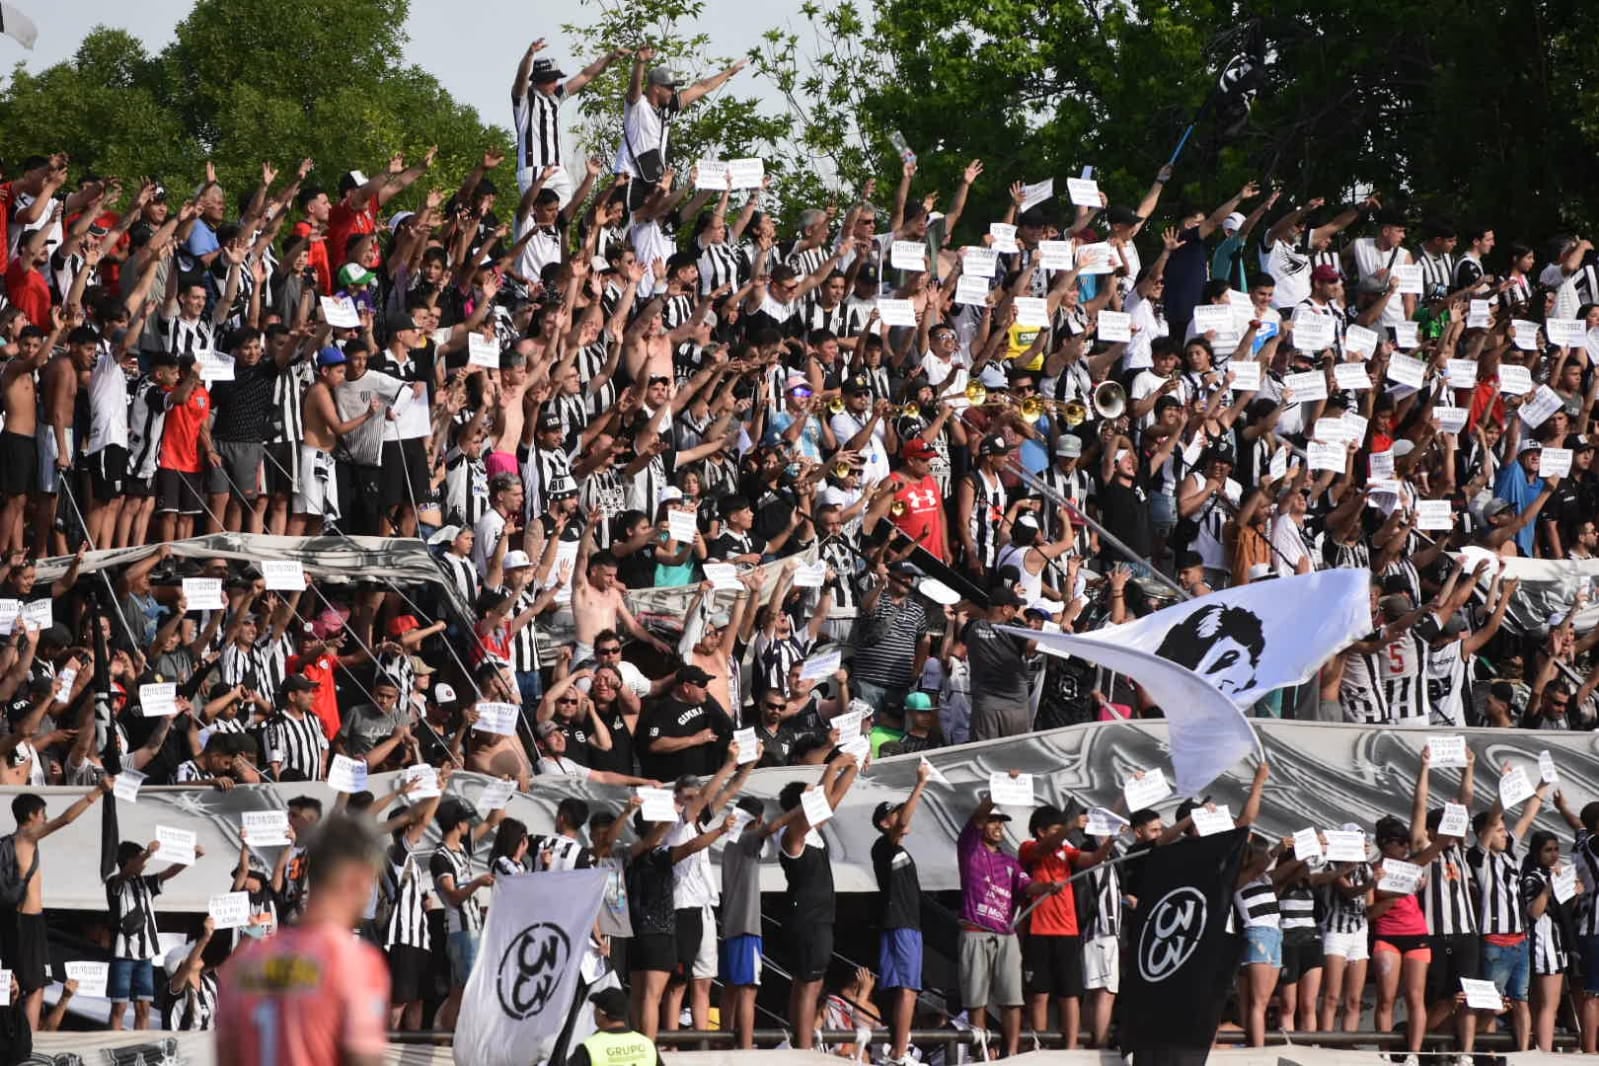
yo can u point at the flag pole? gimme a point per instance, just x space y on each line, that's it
1025 911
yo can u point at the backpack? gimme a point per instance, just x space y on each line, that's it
13 882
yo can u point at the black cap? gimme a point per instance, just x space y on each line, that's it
299 683
858 383
545 70
1117 215
994 444
611 1002
399 320
884 809
692 675
1004 596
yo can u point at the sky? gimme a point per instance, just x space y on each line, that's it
478 74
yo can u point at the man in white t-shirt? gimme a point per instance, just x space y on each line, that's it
537 94
652 103
1375 257
1287 249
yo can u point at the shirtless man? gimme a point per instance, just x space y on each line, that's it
19 451
317 497
598 602
54 434
647 345
24 941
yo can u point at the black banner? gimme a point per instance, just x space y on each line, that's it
1181 951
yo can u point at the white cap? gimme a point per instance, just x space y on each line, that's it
516 560
670 494
1233 222
445 535
1120 453
443 693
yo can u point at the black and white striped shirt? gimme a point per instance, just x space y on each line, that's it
1298 906
720 265
147 419
837 553
408 920
466 488
988 510
1497 875
463 575
1446 896
182 337
298 743
590 362
457 865
1585 854
195 1010
551 464
133 930
525 641
1345 914
565 853
833 319
1437 274
1105 891
537 118
1257 903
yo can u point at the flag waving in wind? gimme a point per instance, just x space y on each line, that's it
1206 661
14 23
520 992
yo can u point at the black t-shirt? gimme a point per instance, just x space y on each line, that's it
776 746
996 661
1125 511
672 717
810 886
730 543
244 405
649 893
899 890
909 745
619 759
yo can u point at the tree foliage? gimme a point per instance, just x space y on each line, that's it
243 82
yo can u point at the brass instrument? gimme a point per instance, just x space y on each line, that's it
836 405
842 470
897 508
910 410
1073 413
1110 401
976 393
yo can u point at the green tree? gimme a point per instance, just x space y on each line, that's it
245 82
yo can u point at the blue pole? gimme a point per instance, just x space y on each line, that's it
1189 132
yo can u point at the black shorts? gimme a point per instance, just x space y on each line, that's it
1053 966
405 472
690 931
178 492
1301 954
19 464
811 949
1453 957
653 951
108 472
281 459
140 487
25 943
410 974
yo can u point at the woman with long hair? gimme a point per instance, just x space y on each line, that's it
509 854
1345 944
1550 924
1400 951
1260 913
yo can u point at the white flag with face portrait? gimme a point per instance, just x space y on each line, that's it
1207 660
520 993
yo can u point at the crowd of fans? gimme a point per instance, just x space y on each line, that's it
880 430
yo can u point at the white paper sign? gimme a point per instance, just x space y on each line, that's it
1450 419
495 717
1345 845
1037 193
820 667
747 745
1307 845
1546 768
90 976
495 795
1461 373
1008 791
1554 462
1246 375
158 701
908 255
177 845
230 910
1514 788
203 593
1381 465
1563 885
10 611
1331 431
1358 338
213 365
1308 386
722 576
264 829
657 804
1004 235
1434 514
746 173
346 774
847 724
1356 425
1514 380
283 575
1455 821
482 352
1213 318
858 746
64 682
1325 456
979 262
1208 822
1482 995
1103 822
1545 402
1118 326
1446 750
1083 192
814 803
934 774
1526 334
1278 468
1312 331
1399 877
340 312
1055 255
1477 314
427 779
1352 376
1407 335
1566 332
971 290
1032 311
811 575
896 312
1409 277
1145 791
1095 258
1406 370
127 785
5 988
681 525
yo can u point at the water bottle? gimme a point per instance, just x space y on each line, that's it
898 141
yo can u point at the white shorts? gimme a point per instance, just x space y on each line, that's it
1102 964
49 479
1354 947
706 962
318 490
560 184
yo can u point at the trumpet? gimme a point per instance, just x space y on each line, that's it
842 470
1071 412
976 393
836 405
897 508
910 410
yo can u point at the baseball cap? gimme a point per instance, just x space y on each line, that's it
1004 596
299 683
918 701
917 448
720 619
904 569
1325 273
546 70
663 76
670 494
1069 446
544 729
1233 222
561 485
444 535
330 356
997 815
1496 506
858 383
692 675
421 666
1530 445
400 218
1119 215
443 694
516 560
883 810
1261 572
994 444
399 321
402 625
355 274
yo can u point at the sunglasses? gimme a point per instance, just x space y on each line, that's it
566 699
617 650
777 706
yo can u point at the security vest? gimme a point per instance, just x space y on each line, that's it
625 1048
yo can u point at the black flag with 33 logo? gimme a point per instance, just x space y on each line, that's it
1181 958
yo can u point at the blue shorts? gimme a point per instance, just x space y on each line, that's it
1263 946
741 960
899 959
1590 963
461 948
130 979
1509 968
